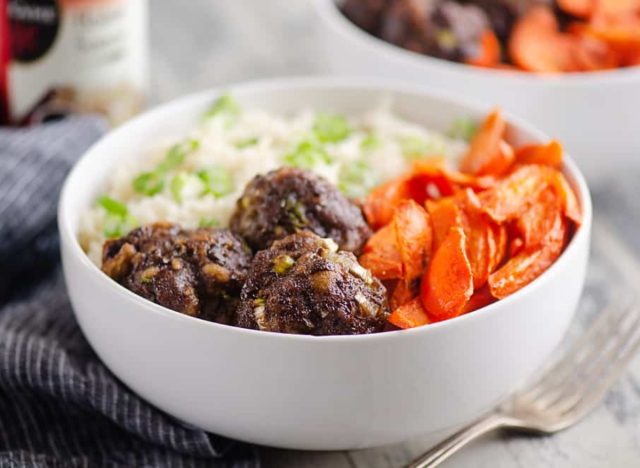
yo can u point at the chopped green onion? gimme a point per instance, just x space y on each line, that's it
307 155
246 143
370 142
415 147
282 264
217 181
355 180
118 221
177 154
149 183
295 212
177 185
463 128
331 128
226 106
208 223
113 206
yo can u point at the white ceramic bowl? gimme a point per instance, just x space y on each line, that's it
594 114
304 392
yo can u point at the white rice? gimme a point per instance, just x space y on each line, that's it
277 136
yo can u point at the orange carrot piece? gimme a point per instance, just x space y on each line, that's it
570 204
380 205
537 45
382 256
414 237
401 292
529 263
549 154
448 284
538 219
512 194
489 51
478 300
516 246
498 240
444 214
577 8
409 315
479 236
486 155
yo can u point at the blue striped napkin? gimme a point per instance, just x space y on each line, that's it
59 405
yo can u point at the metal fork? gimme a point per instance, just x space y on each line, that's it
567 391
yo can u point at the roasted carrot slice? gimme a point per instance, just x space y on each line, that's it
512 194
537 45
498 240
486 153
529 263
382 256
568 198
516 246
479 236
538 219
381 203
478 300
409 315
448 284
577 8
414 237
444 214
489 51
549 154
401 292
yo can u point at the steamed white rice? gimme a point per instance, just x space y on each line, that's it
247 142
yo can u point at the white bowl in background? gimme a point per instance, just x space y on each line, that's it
596 115
305 392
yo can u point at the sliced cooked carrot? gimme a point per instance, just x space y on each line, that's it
536 43
486 153
401 292
410 315
549 154
529 263
578 8
480 298
489 51
382 256
448 284
380 205
620 27
446 180
479 235
444 214
511 195
498 240
414 237
568 198
538 219
516 246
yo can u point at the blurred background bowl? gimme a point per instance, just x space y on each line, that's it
595 115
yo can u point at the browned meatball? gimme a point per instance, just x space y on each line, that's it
302 284
290 200
197 272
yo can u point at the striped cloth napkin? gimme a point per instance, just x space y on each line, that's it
59 405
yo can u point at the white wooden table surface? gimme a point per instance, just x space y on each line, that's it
197 44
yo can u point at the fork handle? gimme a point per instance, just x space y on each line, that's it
449 446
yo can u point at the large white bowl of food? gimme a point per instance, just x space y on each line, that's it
322 263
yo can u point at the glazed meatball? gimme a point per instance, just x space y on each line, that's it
197 272
302 284
290 200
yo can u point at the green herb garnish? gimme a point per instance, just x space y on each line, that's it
248 142
331 128
225 106
415 147
370 142
118 221
149 183
355 180
177 185
307 155
217 181
208 223
463 128
177 154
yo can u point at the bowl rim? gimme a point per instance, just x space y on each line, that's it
69 239
331 14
